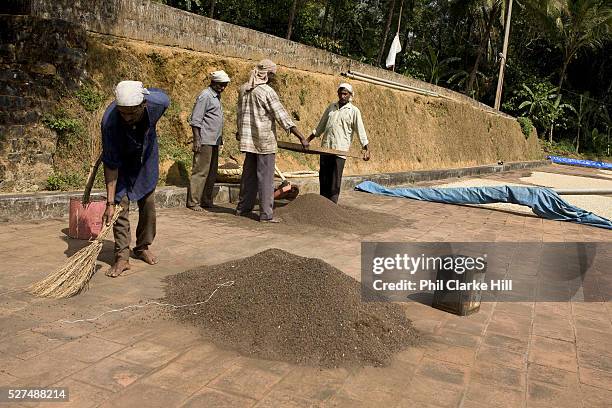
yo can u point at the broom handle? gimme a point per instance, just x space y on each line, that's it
280 173
93 170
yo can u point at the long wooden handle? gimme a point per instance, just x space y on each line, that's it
296 147
93 170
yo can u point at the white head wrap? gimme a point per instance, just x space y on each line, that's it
130 93
259 75
346 86
219 76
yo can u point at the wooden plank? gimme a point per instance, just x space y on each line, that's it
297 147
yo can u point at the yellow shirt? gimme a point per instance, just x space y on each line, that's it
338 124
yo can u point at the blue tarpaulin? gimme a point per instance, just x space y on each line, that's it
582 163
543 202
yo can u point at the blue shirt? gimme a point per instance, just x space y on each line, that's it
207 115
133 150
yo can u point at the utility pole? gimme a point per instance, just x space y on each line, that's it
502 65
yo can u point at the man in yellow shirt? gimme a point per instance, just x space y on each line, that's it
339 122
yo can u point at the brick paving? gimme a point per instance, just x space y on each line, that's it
520 354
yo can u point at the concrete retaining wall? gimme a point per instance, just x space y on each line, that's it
164 25
27 207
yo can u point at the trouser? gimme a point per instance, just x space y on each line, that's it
257 176
203 176
145 231
330 176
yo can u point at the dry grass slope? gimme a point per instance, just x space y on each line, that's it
406 131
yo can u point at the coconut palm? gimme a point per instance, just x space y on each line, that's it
486 13
574 25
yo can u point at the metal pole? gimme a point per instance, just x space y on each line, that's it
399 22
502 65
590 191
393 85
407 87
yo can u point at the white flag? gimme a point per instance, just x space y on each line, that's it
396 47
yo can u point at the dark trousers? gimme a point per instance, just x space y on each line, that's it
330 176
145 231
257 176
203 176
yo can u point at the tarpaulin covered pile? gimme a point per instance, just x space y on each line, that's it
582 163
542 201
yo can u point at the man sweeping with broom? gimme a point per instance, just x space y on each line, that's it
131 167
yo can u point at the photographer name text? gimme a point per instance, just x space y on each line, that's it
450 285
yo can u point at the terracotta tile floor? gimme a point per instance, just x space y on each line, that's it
527 354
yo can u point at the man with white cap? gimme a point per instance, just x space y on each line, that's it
259 108
338 124
206 122
130 155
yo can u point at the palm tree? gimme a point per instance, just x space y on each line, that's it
211 13
574 25
542 107
292 12
460 77
433 67
486 12
585 110
383 41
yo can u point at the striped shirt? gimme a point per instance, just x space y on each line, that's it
258 111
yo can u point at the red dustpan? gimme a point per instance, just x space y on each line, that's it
85 215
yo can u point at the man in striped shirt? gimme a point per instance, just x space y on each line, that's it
259 108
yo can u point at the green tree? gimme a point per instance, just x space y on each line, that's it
294 9
545 107
574 25
460 77
434 67
585 110
484 13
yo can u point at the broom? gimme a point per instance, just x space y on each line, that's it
74 275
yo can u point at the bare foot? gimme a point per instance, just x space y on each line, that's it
118 268
196 208
146 256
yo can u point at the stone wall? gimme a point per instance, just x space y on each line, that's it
160 24
39 59
47 47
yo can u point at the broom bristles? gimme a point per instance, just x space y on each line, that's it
74 275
